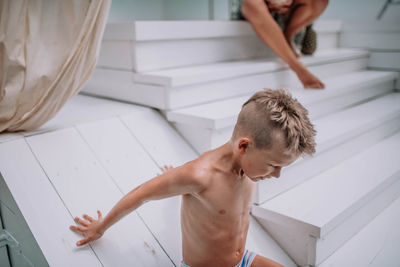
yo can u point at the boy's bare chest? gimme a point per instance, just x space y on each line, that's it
227 199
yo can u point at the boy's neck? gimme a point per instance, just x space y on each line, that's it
228 159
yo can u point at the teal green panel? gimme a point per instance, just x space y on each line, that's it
29 252
4 261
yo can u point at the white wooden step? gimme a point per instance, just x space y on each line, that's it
373 35
385 60
214 121
321 214
376 245
150 45
176 88
207 73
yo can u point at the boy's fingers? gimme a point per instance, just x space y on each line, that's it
78 220
77 228
87 217
83 241
99 215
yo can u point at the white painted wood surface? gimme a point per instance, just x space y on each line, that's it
43 209
210 125
167 30
84 187
376 41
221 114
377 244
219 71
385 60
166 97
150 45
370 26
78 109
260 242
162 142
128 163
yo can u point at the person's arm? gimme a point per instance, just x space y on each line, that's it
257 13
175 181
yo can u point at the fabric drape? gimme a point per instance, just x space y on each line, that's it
48 50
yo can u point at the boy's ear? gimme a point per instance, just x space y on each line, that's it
243 145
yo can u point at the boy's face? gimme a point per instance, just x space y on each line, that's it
259 164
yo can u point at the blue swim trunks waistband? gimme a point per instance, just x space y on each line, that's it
246 260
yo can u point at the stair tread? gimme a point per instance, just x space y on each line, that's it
350 180
168 30
353 119
223 113
377 244
217 71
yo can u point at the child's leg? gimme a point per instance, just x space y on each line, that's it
303 14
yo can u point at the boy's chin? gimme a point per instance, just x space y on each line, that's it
259 178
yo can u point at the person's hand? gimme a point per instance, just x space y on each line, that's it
89 227
309 80
165 169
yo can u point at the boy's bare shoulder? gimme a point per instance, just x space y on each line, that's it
198 171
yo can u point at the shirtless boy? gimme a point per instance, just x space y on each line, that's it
271 132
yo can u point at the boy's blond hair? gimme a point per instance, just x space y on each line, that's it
271 110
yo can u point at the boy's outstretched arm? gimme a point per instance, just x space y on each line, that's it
174 181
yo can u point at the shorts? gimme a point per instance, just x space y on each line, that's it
246 260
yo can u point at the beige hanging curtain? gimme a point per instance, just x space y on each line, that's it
48 50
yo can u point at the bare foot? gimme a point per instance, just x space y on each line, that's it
309 80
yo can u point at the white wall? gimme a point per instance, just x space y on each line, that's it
360 10
123 10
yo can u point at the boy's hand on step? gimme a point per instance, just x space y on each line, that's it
89 227
165 169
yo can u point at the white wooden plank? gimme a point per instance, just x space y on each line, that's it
84 186
83 108
385 60
161 30
222 89
260 242
370 26
119 152
163 218
163 143
220 114
114 88
219 71
129 164
377 244
42 208
375 41
116 54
